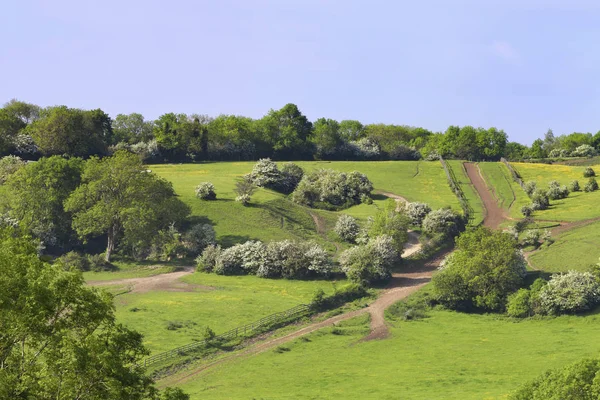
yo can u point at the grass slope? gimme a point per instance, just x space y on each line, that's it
576 249
447 356
469 191
272 216
578 206
220 302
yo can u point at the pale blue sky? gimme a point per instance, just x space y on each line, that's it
522 66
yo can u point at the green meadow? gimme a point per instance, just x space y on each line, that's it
448 355
509 194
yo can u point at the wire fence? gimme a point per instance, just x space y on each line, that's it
468 211
515 175
285 316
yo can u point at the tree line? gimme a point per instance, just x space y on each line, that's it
30 131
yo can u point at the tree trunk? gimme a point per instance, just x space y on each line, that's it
111 244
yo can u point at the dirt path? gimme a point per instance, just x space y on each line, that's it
493 214
400 286
166 282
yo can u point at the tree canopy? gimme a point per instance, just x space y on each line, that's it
118 198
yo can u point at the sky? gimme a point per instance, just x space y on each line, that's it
519 65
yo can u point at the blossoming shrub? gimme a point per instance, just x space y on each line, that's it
347 228
206 191
569 293
371 262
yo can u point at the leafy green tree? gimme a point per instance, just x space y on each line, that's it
537 149
326 137
118 197
15 116
131 128
550 141
36 194
482 272
59 338
173 133
288 130
62 130
578 381
351 130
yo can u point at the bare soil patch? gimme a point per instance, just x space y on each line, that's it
164 282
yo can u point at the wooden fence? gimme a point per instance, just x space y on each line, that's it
455 186
515 175
285 316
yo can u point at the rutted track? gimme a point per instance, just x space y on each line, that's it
494 215
169 282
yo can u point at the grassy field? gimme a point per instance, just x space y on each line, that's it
469 190
576 249
446 356
578 206
220 302
509 194
272 216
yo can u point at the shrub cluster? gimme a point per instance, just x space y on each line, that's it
370 262
591 185
556 191
574 186
206 191
347 228
535 237
417 212
84 262
585 150
284 259
332 190
589 172
444 222
567 293
267 174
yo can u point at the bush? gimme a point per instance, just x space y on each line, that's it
591 185
8 166
332 190
347 228
585 150
570 293
518 304
417 212
287 259
444 222
526 211
371 262
481 273
540 200
244 199
530 187
265 174
291 176
535 237
167 244
578 381
74 260
555 191
589 172
208 260
574 186
198 237
206 191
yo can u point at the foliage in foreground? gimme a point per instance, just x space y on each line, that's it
58 337
481 273
578 381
